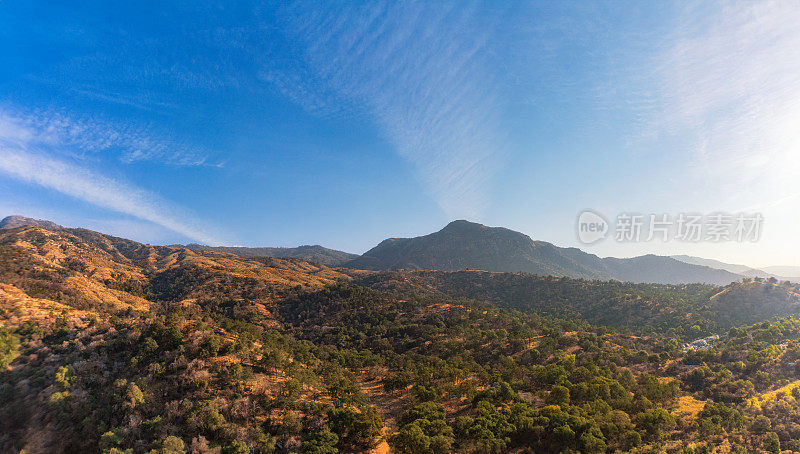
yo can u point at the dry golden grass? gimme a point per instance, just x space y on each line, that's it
98 294
773 395
689 407
23 308
95 269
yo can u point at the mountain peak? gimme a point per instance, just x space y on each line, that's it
462 244
462 225
13 221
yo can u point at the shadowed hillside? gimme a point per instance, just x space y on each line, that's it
685 310
752 302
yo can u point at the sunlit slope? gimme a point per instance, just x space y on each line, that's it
86 269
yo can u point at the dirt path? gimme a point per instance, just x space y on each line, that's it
389 407
382 448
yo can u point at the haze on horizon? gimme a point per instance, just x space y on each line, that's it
274 124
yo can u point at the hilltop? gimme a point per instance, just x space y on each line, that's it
10 222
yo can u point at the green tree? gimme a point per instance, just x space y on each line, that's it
172 445
410 439
355 428
236 447
761 425
134 395
321 442
65 377
632 439
559 395
109 440
655 421
592 443
424 431
9 343
771 442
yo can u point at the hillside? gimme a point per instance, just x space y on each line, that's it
87 269
109 345
665 270
465 245
316 253
751 302
682 311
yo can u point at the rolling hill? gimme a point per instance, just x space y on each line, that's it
87 269
315 253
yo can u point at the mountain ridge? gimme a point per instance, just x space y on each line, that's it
313 253
778 272
13 221
464 245
90 269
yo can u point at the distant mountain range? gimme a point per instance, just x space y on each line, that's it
783 270
467 245
738 269
791 273
316 253
464 245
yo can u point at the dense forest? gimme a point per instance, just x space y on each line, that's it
107 345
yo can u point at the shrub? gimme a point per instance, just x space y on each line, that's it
8 348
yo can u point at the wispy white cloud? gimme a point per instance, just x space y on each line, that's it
729 80
24 156
421 70
720 93
85 135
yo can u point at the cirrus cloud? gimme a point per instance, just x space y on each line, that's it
421 71
24 145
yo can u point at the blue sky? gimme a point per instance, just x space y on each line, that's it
342 124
